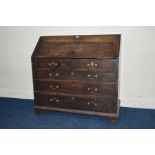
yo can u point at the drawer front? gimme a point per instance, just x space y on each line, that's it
104 65
104 90
77 103
75 75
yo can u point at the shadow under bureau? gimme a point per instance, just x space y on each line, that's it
77 74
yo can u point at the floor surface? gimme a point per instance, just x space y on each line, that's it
19 114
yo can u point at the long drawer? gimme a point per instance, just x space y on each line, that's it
77 103
83 76
103 65
104 90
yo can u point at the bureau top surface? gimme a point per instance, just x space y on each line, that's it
78 46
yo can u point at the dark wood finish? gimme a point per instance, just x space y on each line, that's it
97 65
79 46
77 74
83 76
78 50
77 111
78 103
104 90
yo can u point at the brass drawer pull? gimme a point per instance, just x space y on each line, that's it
50 74
56 74
88 89
73 98
72 74
51 86
96 89
91 90
95 65
96 75
91 76
91 102
92 64
57 86
54 100
57 100
88 103
53 64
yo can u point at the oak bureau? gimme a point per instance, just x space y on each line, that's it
77 74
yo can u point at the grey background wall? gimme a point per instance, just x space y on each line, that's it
137 67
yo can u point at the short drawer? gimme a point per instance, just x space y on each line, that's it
104 90
77 103
103 65
84 76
